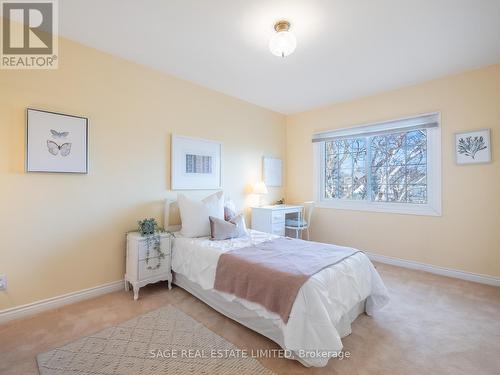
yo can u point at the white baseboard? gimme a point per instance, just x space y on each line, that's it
65 299
469 276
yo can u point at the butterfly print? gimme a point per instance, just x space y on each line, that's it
54 148
57 134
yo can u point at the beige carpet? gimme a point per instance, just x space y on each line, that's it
163 341
433 325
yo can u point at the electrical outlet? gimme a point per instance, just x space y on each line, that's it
3 282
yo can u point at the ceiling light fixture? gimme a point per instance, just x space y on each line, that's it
283 43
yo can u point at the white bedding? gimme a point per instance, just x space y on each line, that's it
318 318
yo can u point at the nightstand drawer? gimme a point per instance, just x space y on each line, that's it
145 273
143 248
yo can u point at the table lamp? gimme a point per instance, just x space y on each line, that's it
260 189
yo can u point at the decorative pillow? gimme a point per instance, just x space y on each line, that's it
239 221
223 230
228 213
229 210
194 214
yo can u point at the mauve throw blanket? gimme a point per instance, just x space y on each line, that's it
272 272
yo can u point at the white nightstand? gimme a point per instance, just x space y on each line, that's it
141 270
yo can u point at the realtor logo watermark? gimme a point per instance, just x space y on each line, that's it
29 34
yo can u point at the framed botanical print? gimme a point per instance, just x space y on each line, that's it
473 147
196 163
56 142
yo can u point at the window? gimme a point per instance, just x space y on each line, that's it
392 167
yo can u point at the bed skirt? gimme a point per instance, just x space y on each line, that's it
252 320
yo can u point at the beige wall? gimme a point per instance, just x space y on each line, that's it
467 236
63 233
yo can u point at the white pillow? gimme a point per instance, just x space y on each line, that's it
240 224
195 214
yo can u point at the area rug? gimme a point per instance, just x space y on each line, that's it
163 341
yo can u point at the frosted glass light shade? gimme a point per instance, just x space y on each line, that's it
282 43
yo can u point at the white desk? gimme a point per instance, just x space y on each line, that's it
271 219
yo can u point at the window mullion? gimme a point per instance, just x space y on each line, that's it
368 168
323 168
351 154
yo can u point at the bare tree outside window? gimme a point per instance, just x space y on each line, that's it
345 174
383 168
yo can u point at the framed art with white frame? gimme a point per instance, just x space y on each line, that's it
56 142
473 147
272 170
196 163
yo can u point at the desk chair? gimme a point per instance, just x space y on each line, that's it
303 222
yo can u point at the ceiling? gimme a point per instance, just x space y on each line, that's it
345 48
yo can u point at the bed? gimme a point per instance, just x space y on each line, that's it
321 315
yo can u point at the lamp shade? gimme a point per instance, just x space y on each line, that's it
260 188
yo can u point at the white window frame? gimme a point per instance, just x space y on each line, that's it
433 205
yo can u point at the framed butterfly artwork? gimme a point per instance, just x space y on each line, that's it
56 142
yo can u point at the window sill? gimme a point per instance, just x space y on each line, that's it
396 208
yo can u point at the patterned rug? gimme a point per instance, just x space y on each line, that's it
163 341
